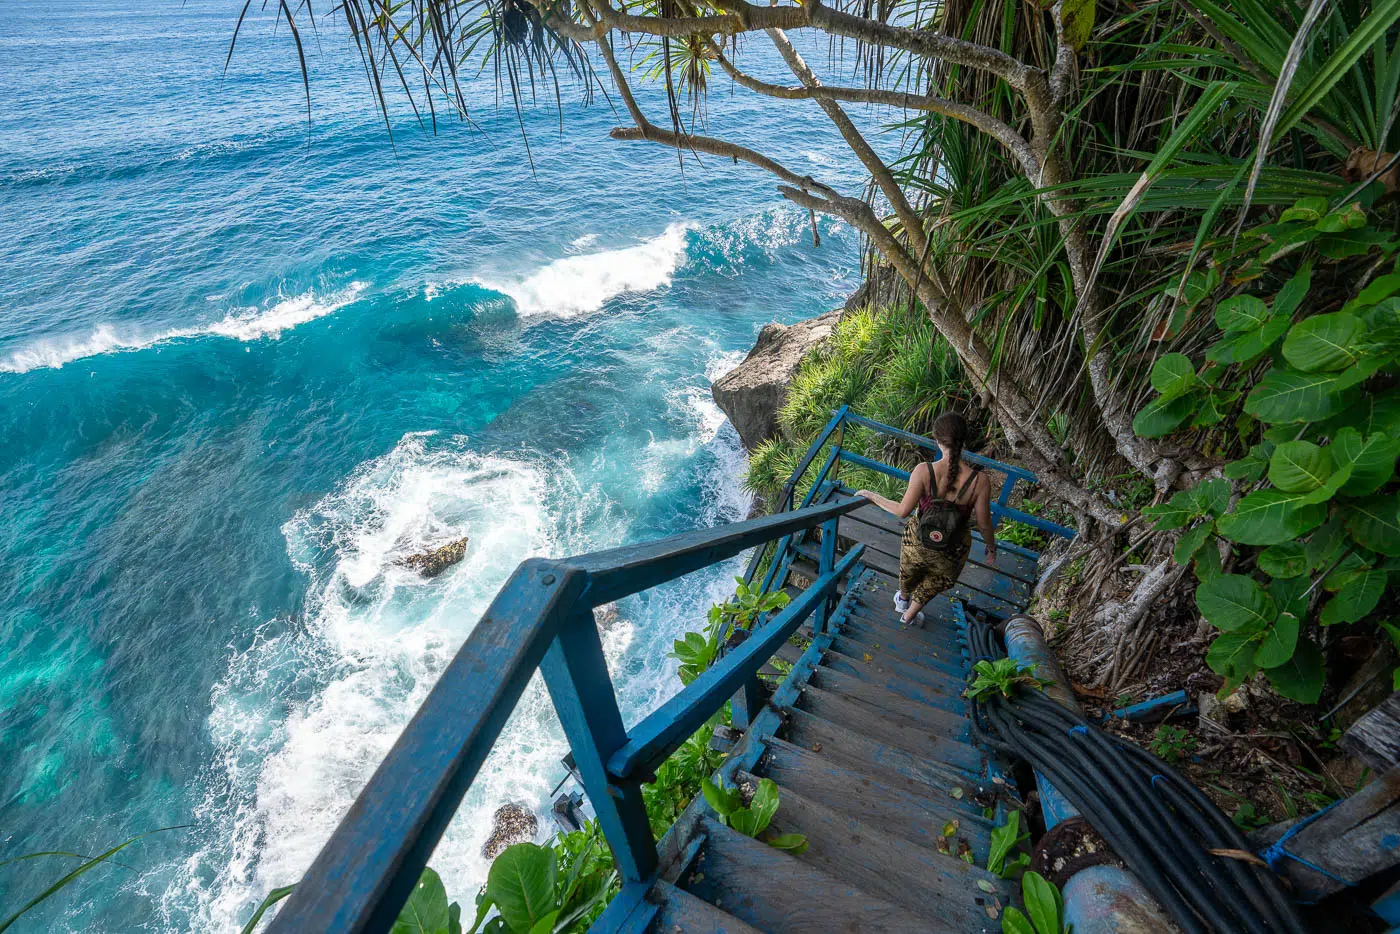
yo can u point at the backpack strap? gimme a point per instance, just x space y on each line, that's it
967 483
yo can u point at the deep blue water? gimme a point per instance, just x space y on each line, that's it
245 366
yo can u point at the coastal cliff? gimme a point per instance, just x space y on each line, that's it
752 393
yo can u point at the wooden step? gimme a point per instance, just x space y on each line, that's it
952 667
681 911
909 698
868 667
941 763
780 894
881 725
933 883
937 628
901 806
906 647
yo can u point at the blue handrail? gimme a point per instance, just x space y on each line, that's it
542 618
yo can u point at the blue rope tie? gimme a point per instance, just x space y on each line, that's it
1081 729
1276 852
1156 778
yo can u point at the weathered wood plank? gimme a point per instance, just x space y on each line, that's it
776 892
905 643
681 911
942 762
903 807
1354 839
1375 738
873 669
948 663
918 703
880 724
907 874
887 566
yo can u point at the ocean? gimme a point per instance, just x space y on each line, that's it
248 364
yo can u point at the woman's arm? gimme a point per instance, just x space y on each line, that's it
904 507
984 517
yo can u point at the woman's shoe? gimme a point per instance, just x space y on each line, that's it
900 604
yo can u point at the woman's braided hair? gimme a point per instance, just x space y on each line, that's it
950 430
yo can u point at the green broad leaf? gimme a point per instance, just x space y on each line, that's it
1301 677
1324 544
1013 922
454 918
1371 413
1162 416
1325 342
1252 466
1374 523
1351 243
1241 313
1288 243
1042 901
1171 514
1191 542
1270 517
1383 323
1279 641
1355 601
1307 210
1379 289
1371 459
794 843
1293 292
1206 562
1173 374
1236 603
746 821
1291 595
724 800
1231 656
1244 347
1299 467
521 884
764 803
1286 559
1210 496
1288 396
1346 570
426 911
1213 407
546 924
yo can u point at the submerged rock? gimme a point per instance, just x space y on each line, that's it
512 823
751 393
434 562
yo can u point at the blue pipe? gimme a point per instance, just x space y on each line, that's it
1168 705
1100 899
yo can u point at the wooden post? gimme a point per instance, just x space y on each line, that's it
576 674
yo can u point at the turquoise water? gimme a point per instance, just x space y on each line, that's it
246 367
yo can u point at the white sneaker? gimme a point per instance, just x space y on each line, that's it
900 604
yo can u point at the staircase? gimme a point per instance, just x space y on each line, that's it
868 741
859 721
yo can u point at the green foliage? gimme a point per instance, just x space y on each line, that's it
537 889
1002 676
1044 908
1320 506
752 819
1172 744
1006 840
889 364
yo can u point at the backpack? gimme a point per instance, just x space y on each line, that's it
943 520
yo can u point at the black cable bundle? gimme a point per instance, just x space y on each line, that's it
1159 824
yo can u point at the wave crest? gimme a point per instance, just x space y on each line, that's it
248 324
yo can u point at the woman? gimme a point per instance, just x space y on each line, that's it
926 571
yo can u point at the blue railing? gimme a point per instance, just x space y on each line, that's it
543 619
820 487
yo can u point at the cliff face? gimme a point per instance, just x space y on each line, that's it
751 393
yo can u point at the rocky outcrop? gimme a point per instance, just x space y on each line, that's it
434 562
512 824
751 393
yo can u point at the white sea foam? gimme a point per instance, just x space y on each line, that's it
248 324
575 285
